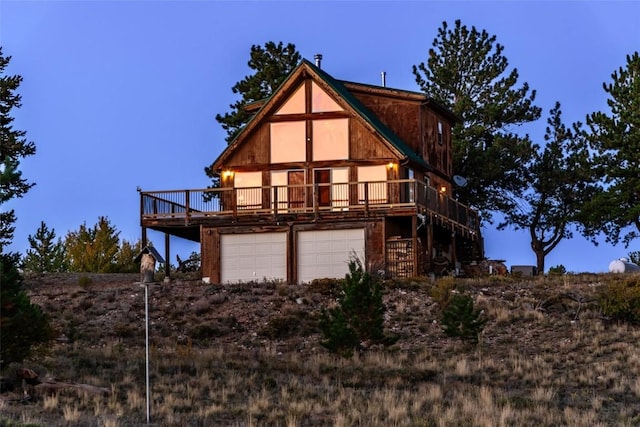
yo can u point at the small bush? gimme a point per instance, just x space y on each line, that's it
441 291
326 286
461 320
558 269
201 307
72 332
203 332
85 281
340 337
621 300
281 327
124 330
214 328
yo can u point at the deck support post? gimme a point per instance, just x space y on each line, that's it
187 208
366 199
144 237
454 249
167 253
429 254
414 243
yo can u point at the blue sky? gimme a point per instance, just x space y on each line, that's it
120 94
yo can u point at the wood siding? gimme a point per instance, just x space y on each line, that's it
253 151
402 117
417 125
210 253
436 154
366 146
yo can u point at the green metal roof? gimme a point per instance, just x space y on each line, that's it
371 118
363 111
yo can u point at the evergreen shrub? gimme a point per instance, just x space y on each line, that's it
359 315
460 319
620 300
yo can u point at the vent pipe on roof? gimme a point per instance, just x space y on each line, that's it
318 58
384 78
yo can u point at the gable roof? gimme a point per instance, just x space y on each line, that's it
371 118
337 86
403 94
150 249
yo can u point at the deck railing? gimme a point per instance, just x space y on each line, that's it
307 198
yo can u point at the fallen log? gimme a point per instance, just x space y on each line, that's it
49 385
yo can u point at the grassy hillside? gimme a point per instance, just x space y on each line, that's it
250 355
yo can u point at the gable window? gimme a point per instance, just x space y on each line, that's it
321 102
288 142
295 104
248 190
330 139
374 178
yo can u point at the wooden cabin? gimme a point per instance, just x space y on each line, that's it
326 170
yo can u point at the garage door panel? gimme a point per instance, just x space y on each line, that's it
326 253
247 257
324 246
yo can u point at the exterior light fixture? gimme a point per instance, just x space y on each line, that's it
227 174
443 189
391 165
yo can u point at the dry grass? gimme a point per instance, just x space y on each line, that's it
541 360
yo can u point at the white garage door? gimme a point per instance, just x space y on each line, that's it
326 253
255 256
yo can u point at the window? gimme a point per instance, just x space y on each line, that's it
330 139
290 189
333 186
439 132
249 190
321 101
295 103
376 187
288 142
411 186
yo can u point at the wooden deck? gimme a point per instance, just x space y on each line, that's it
181 212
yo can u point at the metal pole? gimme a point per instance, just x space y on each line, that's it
146 323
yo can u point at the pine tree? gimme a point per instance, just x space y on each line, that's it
46 254
615 137
466 71
359 315
22 324
125 256
13 147
560 181
93 249
460 319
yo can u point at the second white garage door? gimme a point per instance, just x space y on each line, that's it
253 257
326 253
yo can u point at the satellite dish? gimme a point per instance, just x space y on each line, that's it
460 181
